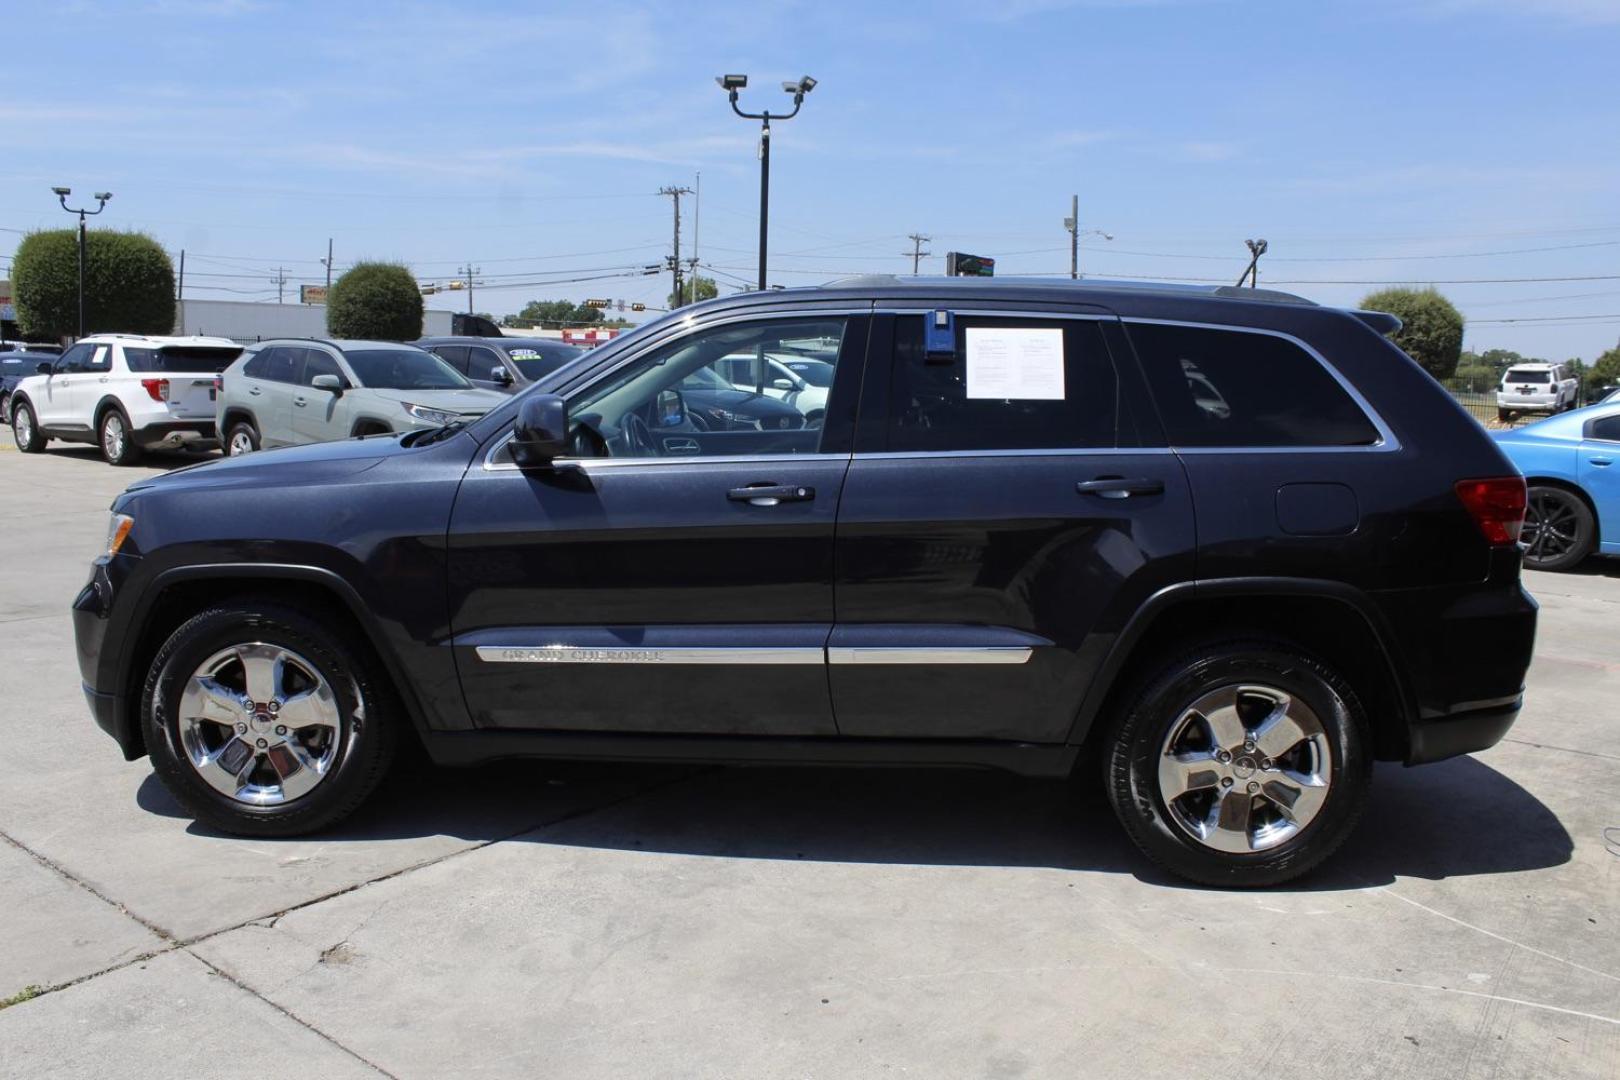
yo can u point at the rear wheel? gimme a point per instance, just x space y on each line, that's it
1240 765
25 428
1559 531
243 439
261 721
117 445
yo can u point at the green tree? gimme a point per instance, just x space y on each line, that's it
1605 371
556 314
693 289
1432 329
377 300
128 284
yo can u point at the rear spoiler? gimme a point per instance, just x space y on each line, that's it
1381 321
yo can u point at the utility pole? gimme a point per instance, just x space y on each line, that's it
697 219
916 252
328 262
470 270
180 286
1072 222
280 281
675 194
1256 248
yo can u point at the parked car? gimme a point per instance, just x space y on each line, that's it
1572 464
714 404
30 346
14 368
1023 538
127 393
288 392
504 364
1611 397
778 380
1548 388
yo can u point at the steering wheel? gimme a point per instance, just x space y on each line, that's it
638 438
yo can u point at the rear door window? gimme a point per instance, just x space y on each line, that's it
1234 388
1607 428
279 364
1011 384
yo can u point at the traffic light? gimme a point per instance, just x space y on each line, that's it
638 307
598 303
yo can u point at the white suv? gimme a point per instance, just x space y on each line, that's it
1548 388
125 392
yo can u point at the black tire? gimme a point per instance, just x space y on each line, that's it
1502 415
241 433
1559 530
363 743
116 440
34 441
1137 745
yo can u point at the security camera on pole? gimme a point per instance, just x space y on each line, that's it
731 84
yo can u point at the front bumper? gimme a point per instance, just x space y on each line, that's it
92 610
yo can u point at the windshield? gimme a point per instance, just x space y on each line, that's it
1519 375
404 369
176 359
534 361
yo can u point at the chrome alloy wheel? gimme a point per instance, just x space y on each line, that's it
241 443
22 424
260 724
1245 768
113 436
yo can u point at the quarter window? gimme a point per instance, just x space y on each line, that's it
1217 387
1607 429
1010 384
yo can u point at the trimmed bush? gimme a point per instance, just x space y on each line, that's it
375 300
128 284
1431 331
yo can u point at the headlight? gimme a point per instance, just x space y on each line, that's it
431 416
118 526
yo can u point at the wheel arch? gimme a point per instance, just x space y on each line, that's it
369 425
234 414
179 593
107 403
1329 619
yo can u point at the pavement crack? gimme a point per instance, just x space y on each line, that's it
1563 749
68 875
289 1014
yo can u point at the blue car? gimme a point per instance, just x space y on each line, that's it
1572 464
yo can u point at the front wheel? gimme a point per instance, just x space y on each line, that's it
261 721
1559 530
25 428
243 439
1240 765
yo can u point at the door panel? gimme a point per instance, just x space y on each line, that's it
580 594
270 395
319 415
53 404
981 575
1599 474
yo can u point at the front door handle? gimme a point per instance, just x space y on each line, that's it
771 494
1601 462
300 402
1120 487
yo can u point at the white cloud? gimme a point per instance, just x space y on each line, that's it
1208 150
1582 12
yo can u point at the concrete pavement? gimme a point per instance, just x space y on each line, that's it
602 921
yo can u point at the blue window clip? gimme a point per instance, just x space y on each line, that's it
939 334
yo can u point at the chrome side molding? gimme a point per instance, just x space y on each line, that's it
883 654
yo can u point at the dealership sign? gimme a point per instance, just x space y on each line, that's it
312 294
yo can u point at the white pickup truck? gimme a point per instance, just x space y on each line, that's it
124 392
1548 388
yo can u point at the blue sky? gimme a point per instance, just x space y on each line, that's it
1387 140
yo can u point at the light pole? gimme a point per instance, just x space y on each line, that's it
1256 248
1072 224
101 197
733 83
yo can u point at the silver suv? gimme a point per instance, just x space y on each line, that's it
287 392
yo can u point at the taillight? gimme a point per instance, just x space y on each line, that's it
219 385
158 389
1497 506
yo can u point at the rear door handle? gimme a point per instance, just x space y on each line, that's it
1120 487
255 391
1601 462
771 494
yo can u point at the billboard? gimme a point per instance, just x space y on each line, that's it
960 264
312 294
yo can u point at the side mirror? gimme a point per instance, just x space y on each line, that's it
671 408
783 384
541 432
500 376
43 367
327 382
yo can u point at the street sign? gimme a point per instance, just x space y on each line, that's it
959 264
312 294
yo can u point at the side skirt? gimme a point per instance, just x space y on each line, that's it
475 747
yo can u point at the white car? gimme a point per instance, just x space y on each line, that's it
1548 388
781 382
126 393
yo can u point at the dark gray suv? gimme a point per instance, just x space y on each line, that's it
505 364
